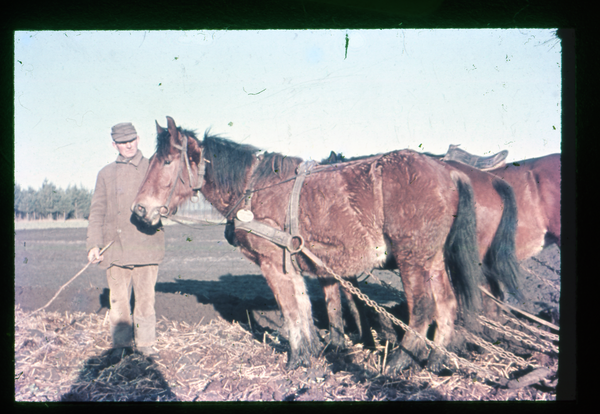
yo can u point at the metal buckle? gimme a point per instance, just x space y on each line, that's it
165 214
299 249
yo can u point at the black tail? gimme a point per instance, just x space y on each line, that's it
461 253
500 261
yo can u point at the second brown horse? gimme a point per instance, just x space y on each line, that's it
536 185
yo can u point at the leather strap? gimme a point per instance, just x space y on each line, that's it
291 222
280 238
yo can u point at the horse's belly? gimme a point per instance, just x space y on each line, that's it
354 256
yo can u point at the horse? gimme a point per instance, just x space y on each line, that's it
398 210
536 185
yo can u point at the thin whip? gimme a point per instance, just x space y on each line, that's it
72 279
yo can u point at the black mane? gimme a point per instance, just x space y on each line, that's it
229 162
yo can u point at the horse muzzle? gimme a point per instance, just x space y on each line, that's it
151 217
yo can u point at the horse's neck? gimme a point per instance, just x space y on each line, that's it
219 199
224 200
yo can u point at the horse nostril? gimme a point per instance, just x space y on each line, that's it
139 210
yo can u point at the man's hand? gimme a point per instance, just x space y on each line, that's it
94 255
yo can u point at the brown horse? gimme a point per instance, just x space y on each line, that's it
536 184
401 210
496 212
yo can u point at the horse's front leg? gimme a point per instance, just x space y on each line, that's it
290 292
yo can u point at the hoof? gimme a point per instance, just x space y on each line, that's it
336 339
412 352
438 363
399 360
297 362
301 357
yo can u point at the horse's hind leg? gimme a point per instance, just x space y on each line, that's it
421 310
359 313
356 315
333 302
290 292
331 289
446 311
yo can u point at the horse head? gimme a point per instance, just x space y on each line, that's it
175 173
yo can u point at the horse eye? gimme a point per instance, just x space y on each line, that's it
167 162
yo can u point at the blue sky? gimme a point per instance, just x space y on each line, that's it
297 92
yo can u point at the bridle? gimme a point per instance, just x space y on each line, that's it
201 170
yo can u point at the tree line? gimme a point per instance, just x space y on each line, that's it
52 202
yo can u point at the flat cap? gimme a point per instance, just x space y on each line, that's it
123 132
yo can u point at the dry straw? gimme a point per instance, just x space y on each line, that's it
67 357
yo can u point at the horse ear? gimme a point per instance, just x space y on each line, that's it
194 150
159 129
173 129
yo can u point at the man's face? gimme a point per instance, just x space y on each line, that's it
127 149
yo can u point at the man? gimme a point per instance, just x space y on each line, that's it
133 258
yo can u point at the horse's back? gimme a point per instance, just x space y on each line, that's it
402 199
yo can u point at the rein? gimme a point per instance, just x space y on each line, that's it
245 218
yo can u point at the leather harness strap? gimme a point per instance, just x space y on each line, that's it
291 222
292 218
291 231
280 238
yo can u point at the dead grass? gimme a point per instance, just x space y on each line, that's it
67 357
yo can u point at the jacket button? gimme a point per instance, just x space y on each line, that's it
118 230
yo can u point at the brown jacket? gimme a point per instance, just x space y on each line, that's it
111 217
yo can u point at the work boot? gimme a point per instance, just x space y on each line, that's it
483 163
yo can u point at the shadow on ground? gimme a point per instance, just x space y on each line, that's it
248 298
128 376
